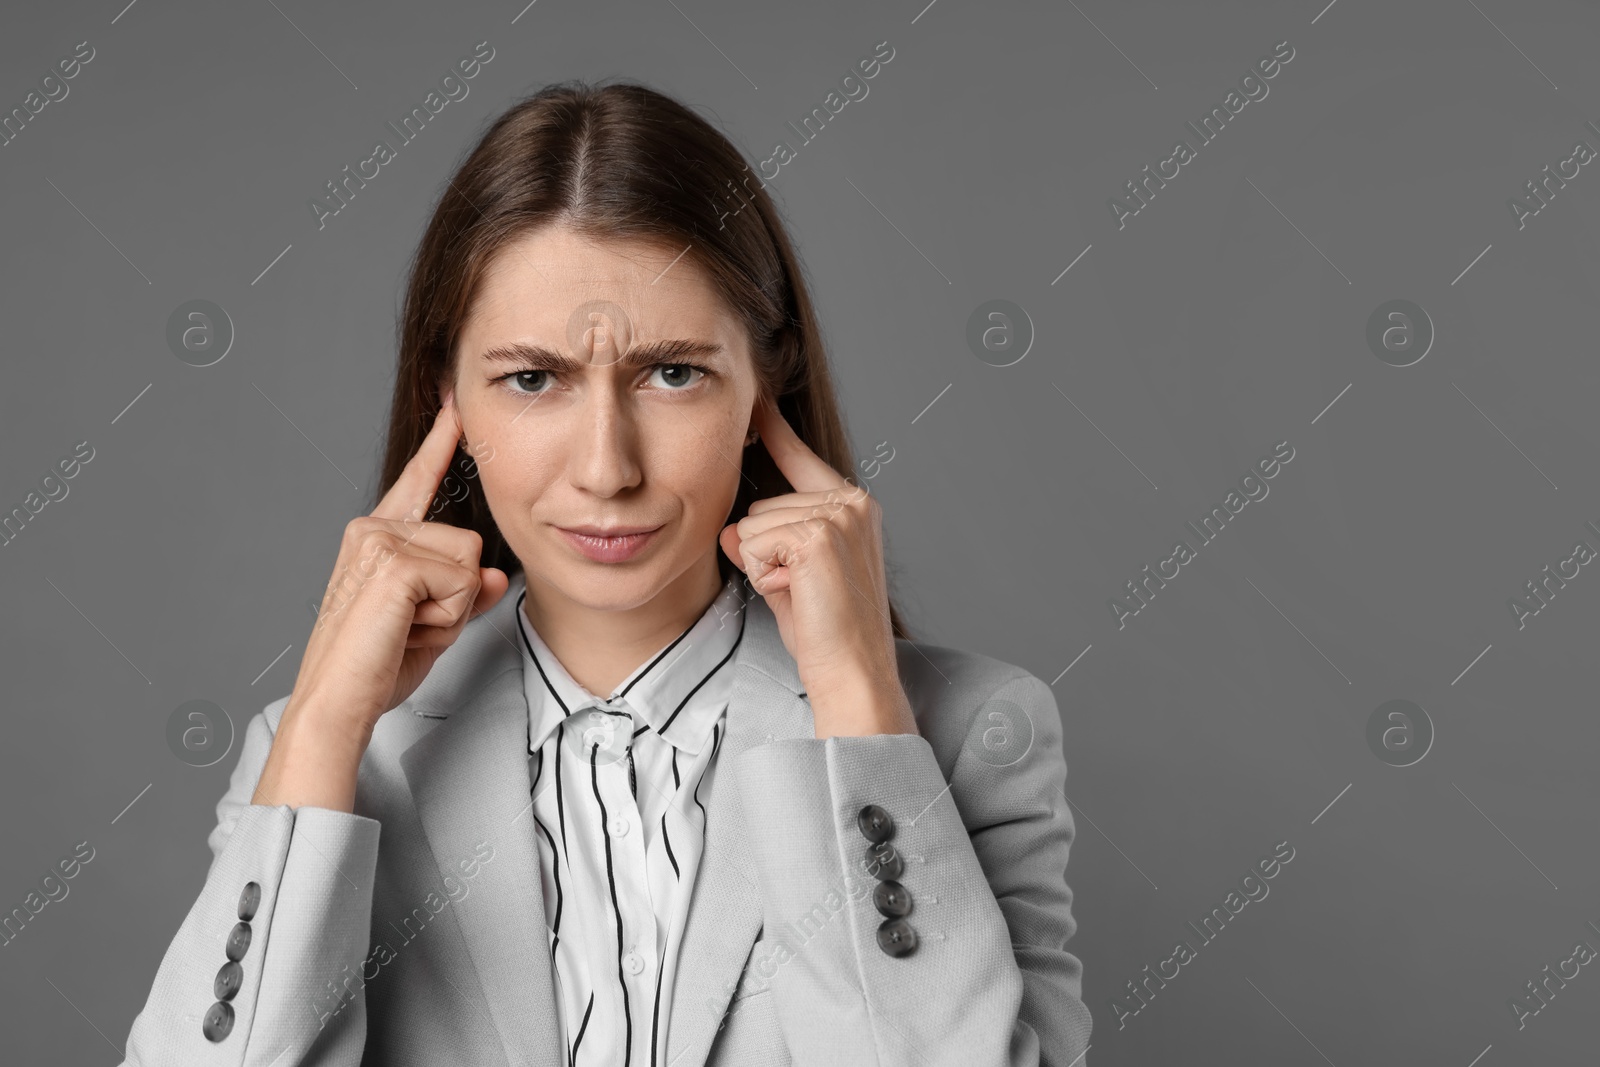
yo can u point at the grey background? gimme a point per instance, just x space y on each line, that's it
1228 715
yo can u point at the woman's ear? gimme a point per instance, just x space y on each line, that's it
446 386
753 434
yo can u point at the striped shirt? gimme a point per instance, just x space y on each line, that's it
619 791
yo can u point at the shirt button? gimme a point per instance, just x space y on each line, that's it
619 827
633 962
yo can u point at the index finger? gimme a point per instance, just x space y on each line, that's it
412 492
806 471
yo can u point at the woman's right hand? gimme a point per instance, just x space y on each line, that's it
402 591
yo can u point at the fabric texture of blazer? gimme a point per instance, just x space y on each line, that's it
413 931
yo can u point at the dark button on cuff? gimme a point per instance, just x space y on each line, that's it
875 823
218 1023
884 862
231 977
896 937
238 941
249 901
892 899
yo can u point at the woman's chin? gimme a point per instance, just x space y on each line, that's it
602 586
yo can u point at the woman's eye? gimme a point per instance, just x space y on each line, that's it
527 381
677 375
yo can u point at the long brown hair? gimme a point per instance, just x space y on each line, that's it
617 161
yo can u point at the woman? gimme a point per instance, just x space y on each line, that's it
785 834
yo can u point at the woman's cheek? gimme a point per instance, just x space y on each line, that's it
696 461
522 467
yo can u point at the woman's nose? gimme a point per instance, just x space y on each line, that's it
603 456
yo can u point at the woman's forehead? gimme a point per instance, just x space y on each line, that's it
558 256
552 282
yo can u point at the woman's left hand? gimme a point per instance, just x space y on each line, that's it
816 557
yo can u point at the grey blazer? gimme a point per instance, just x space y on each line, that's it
413 932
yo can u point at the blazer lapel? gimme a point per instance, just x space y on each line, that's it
470 784
724 920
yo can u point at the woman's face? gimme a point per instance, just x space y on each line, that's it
604 385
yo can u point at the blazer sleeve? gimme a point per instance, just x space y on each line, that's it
990 982
265 968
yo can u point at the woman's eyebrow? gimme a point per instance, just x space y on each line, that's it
645 354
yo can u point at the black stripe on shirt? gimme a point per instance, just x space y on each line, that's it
572 1057
644 673
716 740
707 678
561 806
655 1013
539 666
677 783
627 1014
566 711
665 837
556 868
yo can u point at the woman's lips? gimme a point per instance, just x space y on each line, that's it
609 549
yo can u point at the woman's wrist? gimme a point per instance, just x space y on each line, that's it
860 702
315 757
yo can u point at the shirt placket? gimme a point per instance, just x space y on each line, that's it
636 963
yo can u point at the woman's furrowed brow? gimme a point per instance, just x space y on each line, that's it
644 354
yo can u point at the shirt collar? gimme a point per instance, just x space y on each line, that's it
679 692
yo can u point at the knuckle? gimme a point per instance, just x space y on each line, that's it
354 530
460 588
407 567
373 536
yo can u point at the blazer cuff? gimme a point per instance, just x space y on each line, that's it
802 799
297 880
